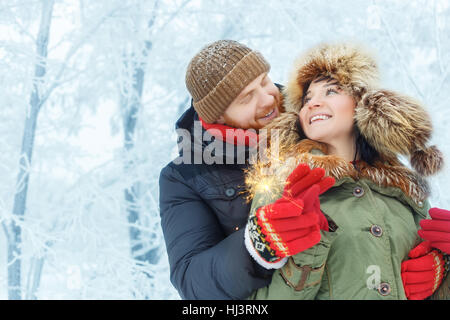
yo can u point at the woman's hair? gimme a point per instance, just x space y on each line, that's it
366 152
317 79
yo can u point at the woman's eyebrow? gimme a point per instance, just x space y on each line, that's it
326 85
331 84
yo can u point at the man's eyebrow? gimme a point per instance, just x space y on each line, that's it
244 93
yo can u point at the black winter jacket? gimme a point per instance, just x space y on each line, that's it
203 216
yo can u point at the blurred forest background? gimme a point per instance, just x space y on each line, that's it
89 95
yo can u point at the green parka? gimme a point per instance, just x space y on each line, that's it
374 215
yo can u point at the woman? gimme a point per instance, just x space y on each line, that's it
344 238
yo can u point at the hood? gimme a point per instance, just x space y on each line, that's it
352 65
392 123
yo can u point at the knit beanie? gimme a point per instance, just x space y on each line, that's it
218 73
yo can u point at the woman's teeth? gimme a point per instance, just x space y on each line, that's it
319 117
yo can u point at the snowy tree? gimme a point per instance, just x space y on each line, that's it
13 229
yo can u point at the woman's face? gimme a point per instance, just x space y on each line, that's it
327 113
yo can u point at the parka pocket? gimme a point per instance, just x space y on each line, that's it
304 271
301 277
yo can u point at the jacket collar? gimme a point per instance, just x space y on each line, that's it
386 173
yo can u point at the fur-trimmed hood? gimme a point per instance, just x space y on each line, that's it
392 123
352 65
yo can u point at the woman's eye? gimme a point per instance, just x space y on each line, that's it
330 90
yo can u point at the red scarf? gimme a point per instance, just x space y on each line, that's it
241 136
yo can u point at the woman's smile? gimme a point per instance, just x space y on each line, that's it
319 118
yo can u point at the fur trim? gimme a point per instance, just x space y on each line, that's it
427 161
396 124
283 128
391 123
350 64
385 173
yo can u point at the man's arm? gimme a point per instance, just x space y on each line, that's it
204 264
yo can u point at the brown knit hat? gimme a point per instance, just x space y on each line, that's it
218 73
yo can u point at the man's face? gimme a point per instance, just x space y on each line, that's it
256 105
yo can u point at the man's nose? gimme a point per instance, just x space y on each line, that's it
266 99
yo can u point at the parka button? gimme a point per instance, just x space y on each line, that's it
420 204
384 289
230 192
376 230
358 192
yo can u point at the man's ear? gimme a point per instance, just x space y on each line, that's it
221 120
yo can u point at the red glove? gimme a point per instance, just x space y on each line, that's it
297 184
292 223
423 273
437 229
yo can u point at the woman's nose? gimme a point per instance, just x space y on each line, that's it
314 102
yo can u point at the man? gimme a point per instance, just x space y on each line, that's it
202 204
